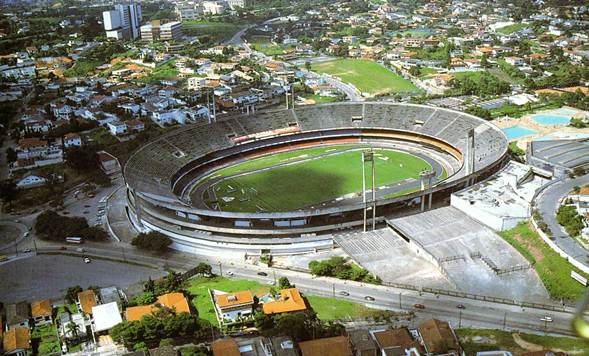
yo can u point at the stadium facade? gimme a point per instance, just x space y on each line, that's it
159 176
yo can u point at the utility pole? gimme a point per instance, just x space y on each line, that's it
333 289
400 305
220 268
274 273
504 319
373 194
460 320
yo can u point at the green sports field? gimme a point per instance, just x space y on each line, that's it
367 76
301 178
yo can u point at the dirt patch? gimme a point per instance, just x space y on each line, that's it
534 250
526 345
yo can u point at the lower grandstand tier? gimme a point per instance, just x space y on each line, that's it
161 175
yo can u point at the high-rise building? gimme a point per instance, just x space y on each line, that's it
123 22
155 31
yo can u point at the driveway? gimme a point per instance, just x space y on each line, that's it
547 203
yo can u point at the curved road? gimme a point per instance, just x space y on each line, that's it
548 202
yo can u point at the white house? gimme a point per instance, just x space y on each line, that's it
232 307
105 317
30 181
515 61
169 117
117 127
196 83
72 139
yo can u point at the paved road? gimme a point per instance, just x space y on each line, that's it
476 313
548 202
48 276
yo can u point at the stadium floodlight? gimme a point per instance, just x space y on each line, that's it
368 156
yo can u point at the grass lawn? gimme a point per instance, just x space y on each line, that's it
334 309
478 340
46 339
304 183
426 71
81 68
164 71
368 76
100 136
321 99
553 270
326 308
512 28
475 76
217 31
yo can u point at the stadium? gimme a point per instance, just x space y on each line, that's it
287 181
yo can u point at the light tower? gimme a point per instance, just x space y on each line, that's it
368 157
426 177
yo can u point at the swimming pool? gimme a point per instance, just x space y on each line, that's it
517 131
551 119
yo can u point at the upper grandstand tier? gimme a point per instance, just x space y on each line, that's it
157 168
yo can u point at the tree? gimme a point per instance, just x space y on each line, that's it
308 65
204 269
8 191
284 283
484 61
579 171
11 155
71 294
73 329
153 241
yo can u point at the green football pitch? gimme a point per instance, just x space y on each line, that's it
301 178
368 76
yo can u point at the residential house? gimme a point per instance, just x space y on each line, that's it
117 127
72 326
72 139
331 346
17 342
397 342
18 315
232 307
515 61
108 163
439 338
174 301
86 300
135 125
42 312
283 346
289 300
225 347
105 317
196 83
109 295
163 118
362 343
30 181
62 111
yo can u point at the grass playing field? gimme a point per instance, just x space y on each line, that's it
368 76
311 176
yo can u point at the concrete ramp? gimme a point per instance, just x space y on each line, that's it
471 255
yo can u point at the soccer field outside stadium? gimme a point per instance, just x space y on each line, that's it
301 178
366 75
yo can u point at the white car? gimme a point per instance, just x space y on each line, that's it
547 319
230 273
271 283
86 260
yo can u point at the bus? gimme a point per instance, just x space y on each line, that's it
73 240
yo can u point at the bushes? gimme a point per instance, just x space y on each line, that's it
153 241
568 217
163 324
49 225
341 268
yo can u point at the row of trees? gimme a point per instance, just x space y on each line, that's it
152 241
49 225
342 268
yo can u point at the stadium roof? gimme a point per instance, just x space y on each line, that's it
564 153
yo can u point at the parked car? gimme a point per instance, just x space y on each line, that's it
26 250
86 260
262 274
344 293
419 306
63 248
230 273
547 319
460 306
369 298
